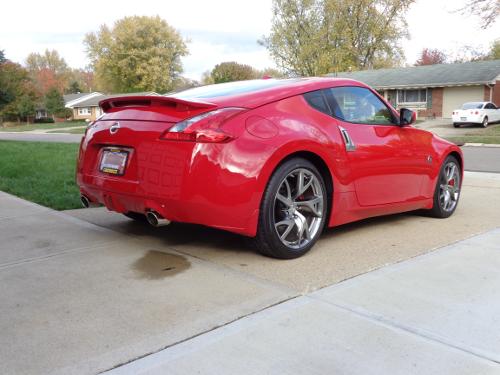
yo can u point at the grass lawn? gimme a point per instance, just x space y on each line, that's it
490 135
41 172
58 125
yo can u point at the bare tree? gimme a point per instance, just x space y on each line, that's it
487 10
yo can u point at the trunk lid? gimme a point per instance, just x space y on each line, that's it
134 124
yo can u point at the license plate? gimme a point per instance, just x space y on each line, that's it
114 161
463 118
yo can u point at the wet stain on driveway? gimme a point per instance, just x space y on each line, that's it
156 265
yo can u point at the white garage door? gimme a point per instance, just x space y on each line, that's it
454 97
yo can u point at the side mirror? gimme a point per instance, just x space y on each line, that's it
406 117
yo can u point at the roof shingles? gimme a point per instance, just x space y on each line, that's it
477 72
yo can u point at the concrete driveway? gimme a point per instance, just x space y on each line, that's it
86 291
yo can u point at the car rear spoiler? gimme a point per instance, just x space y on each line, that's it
172 103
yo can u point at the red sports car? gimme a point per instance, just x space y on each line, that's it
274 160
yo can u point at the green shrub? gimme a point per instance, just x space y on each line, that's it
44 120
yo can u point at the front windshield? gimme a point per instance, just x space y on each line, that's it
472 106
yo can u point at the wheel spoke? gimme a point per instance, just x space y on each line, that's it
289 226
451 173
302 186
313 205
302 228
288 190
287 202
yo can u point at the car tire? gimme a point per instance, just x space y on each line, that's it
485 122
455 125
291 216
447 190
141 218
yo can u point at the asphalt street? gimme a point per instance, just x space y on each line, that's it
41 137
482 159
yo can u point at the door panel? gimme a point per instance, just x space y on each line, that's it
387 161
383 164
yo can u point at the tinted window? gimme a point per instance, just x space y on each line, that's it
316 99
358 105
490 106
472 106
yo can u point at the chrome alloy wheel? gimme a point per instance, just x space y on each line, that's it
449 187
298 208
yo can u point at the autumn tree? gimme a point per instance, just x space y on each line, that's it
184 83
48 70
17 92
25 106
206 78
494 53
74 87
138 53
80 80
430 56
487 10
232 71
54 103
314 37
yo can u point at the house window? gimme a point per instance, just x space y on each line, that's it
84 111
412 96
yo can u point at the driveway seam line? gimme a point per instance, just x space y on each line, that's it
387 322
201 333
61 253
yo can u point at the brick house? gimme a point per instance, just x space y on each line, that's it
86 106
434 90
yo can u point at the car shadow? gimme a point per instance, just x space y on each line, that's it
178 235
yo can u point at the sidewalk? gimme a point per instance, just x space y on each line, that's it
434 314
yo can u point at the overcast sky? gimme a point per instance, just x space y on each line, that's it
218 30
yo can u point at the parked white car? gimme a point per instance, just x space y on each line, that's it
483 113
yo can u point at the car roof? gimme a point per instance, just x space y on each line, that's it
254 93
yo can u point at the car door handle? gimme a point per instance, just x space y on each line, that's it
349 144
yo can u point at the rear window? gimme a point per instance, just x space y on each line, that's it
472 106
316 99
231 88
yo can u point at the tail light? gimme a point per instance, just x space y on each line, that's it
476 113
204 128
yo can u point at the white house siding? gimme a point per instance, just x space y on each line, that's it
454 97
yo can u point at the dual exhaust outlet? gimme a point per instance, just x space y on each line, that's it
153 217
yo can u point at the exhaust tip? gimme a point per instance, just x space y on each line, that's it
155 219
85 201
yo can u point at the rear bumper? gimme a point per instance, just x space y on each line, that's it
467 120
186 183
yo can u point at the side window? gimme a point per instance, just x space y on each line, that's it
358 105
316 99
490 106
